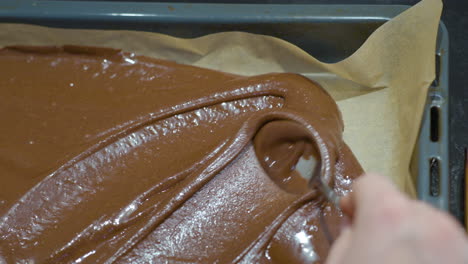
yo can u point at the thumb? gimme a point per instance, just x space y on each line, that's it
339 247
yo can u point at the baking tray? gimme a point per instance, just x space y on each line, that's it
328 32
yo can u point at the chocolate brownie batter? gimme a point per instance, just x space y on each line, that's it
109 157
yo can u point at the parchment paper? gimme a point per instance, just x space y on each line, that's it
380 89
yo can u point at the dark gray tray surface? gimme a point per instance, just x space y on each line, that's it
455 16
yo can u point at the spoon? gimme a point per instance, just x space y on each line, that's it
310 170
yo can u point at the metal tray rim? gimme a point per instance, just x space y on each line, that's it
144 12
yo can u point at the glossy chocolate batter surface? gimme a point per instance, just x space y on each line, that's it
109 157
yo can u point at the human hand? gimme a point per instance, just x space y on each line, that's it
388 227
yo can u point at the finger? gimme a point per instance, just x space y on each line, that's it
347 205
375 197
337 253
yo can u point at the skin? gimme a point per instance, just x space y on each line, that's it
387 223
